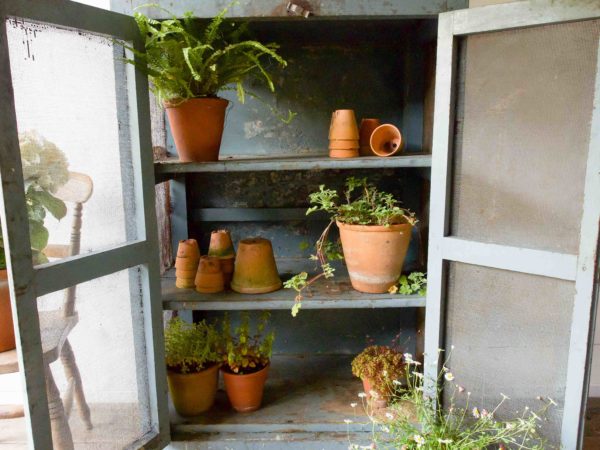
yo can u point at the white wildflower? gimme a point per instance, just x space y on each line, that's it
510 426
353 404
347 421
389 415
397 382
385 429
448 376
361 395
374 394
420 440
552 401
476 413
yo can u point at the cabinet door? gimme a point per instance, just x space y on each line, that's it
75 123
515 205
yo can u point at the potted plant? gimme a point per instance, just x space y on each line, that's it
189 64
45 170
381 369
374 232
246 361
192 359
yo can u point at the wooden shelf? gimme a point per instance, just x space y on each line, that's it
333 293
303 394
170 167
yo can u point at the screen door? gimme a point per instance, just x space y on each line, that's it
79 230
515 205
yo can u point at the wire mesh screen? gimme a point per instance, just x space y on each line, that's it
510 333
522 132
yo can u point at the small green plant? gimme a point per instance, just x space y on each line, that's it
363 204
379 364
242 351
186 60
459 425
191 347
45 170
414 283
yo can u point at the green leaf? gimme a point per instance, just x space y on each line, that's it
53 205
38 235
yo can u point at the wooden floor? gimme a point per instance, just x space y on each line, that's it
592 425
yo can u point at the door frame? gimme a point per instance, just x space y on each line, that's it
28 282
580 268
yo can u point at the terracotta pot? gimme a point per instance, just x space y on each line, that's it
188 248
185 283
335 153
379 400
209 279
255 271
197 127
183 273
245 392
343 125
193 393
339 144
374 254
186 264
221 244
367 126
386 140
227 266
7 330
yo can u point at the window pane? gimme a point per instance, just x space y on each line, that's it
524 108
72 115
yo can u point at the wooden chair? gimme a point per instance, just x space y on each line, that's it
55 327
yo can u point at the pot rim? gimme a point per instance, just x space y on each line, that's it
215 366
226 372
394 228
167 104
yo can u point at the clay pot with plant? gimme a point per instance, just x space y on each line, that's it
374 231
246 360
45 170
382 371
189 64
193 359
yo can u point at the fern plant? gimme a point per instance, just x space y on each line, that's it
185 60
191 347
242 351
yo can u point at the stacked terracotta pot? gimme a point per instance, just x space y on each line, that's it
186 264
343 134
209 278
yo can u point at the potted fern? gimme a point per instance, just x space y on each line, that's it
246 361
192 359
375 232
188 65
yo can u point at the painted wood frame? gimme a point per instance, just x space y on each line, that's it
580 268
28 282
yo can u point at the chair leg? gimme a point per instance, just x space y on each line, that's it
75 385
61 433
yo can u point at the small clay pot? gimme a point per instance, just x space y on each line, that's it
227 266
7 330
193 393
209 278
367 126
352 153
377 401
339 144
245 392
255 271
188 248
221 244
374 254
185 283
343 125
183 273
386 140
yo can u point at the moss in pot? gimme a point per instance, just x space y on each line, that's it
246 361
193 361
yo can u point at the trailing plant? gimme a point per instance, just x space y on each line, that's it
459 425
242 351
360 204
191 347
414 283
45 170
186 60
379 364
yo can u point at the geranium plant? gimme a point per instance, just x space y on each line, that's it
45 170
243 351
413 283
191 347
360 204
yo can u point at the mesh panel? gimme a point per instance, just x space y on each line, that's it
523 125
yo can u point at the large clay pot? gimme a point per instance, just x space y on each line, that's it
193 393
343 125
221 246
374 254
380 399
245 392
197 127
367 126
255 271
386 140
7 330
209 279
